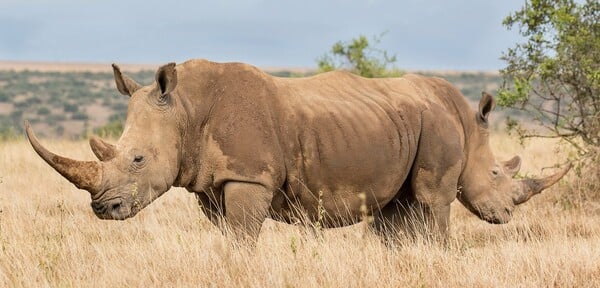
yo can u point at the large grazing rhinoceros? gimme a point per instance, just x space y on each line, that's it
253 146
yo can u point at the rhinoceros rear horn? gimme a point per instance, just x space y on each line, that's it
104 151
84 174
530 187
512 166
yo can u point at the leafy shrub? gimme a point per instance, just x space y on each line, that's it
4 96
113 129
79 116
360 57
43 111
71 108
554 76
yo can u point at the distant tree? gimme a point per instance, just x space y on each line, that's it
554 76
69 107
43 111
360 57
79 116
4 97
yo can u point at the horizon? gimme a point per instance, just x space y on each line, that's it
94 67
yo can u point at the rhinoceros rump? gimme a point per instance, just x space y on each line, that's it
252 146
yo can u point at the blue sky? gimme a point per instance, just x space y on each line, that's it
428 34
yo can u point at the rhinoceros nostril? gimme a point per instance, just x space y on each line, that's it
98 207
115 206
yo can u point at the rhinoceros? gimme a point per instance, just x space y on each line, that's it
331 148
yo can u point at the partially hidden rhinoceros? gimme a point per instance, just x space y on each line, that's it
331 148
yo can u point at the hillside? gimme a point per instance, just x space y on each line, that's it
72 100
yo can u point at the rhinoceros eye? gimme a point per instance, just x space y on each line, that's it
495 172
138 159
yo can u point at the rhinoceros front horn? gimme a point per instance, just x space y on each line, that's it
530 187
84 174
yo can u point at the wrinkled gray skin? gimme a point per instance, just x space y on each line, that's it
253 146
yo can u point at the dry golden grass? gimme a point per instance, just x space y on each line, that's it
50 237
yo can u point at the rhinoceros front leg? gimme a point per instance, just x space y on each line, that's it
405 217
394 219
436 220
437 167
212 206
246 208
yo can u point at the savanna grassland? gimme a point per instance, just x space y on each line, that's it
49 237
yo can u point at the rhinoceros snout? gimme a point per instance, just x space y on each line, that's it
111 210
500 216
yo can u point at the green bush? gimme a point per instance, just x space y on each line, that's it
4 96
360 57
79 116
113 129
43 111
71 108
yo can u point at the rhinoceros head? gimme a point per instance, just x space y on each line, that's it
488 188
144 162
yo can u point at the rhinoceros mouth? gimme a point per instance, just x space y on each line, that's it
115 209
112 216
495 216
115 215
497 220
489 213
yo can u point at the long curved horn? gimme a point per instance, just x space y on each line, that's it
530 187
84 174
104 151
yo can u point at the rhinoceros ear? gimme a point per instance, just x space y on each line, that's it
125 84
486 105
166 78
